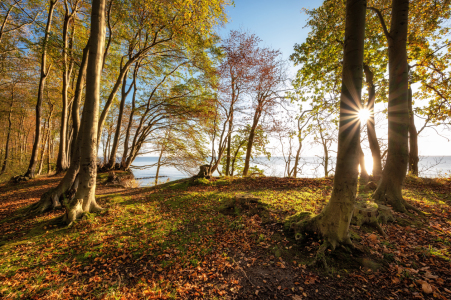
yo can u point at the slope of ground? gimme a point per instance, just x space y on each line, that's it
177 241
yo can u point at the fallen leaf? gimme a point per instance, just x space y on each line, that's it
426 287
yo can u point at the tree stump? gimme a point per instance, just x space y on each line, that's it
205 172
371 213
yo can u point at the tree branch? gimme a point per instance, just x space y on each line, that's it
381 19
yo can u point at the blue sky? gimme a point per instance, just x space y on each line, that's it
280 24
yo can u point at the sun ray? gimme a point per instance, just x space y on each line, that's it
364 115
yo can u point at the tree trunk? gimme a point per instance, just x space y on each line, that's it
49 168
41 159
296 160
229 141
130 123
158 167
326 151
106 109
413 140
234 157
333 222
8 134
251 140
44 72
84 199
117 134
390 186
77 96
363 173
370 125
61 161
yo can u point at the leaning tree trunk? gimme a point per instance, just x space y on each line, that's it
250 140
413 140
129 126
390 187
333 222
84 199
158 166
117 133
296 160
370 125
44 72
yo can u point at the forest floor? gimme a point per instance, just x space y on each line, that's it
176 241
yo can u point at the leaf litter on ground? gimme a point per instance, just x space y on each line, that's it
173 241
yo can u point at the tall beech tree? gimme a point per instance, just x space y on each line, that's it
333 222
70 11
31 172
318 81
372 138
84 199
390 187
162 40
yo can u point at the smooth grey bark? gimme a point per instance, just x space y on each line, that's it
333 221
413 140
78 95
43 76
370 124
390 186
84 199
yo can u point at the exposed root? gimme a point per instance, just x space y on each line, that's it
320 256
390 194
308 224
411 207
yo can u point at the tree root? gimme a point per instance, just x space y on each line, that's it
306 223
392 195
365 212
55 198
320 257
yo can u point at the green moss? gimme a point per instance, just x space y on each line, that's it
354 236
296 218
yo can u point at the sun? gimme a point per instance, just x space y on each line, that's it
364 115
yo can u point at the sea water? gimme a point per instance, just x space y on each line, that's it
311 167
